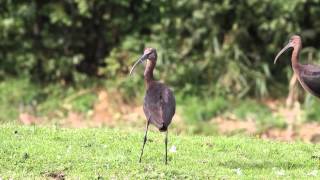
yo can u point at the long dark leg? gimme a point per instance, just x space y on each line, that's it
166 145
145 139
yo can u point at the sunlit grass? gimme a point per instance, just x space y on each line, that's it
33 152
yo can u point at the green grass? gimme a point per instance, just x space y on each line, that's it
35 153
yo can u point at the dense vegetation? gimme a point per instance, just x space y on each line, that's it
222 49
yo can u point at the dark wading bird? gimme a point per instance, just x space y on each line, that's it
159 103
308 75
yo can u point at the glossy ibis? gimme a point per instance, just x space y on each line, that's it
159 103
308 75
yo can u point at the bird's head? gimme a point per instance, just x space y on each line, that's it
294 42
151 54
148 54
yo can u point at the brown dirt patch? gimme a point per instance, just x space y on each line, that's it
310 132
28 119
278 134
110 110
56 175
75 120
229 126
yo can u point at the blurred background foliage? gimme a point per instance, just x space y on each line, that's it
212 53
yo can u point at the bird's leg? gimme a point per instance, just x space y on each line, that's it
145 139
166 145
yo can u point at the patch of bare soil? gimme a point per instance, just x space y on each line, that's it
110 110
55 175
307 132
278 134
75 120
28 118
228 126
310 132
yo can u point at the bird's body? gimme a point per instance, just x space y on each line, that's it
159 103
309 78
308 75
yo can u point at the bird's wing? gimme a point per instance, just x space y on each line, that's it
310 70
152 106
168 105
159 105
310 77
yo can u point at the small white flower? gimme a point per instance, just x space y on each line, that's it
58 157
173 149
238 171
69 149
280 172
313 173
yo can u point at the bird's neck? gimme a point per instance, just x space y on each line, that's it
148 72
295 57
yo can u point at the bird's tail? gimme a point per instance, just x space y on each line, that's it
163 128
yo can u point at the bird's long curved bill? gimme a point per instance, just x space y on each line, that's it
140 60
282 51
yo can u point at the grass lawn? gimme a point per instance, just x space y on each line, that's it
40 153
